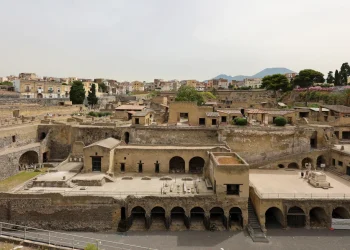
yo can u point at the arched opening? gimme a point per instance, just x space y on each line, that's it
306 161
280 166
293 165
320 160
29 158
236 219
177 165
217 219
42 136
273 218
158 218
126 137
196 165
318 217
296 217
197 218
177 216
40 95
340 213
138 218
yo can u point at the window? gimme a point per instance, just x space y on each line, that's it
140 167
223 119
137 121
232 189
333 162
213 122
201 121
340 163
122 167
13 138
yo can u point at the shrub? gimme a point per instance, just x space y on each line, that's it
240 121
90 247
99 114
280 121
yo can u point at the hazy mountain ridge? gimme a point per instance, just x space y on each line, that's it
261 74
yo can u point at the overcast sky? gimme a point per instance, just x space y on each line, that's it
177 39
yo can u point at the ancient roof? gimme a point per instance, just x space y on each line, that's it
230 111
106 143
280 112
143 112
338 108
130 107
212 114
256 111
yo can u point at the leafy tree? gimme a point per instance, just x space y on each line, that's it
307 78
207 96
276 82
7 83
77 93
103 87
280 121
344 73
189 94
240 121
337 78
92 98
330 77
214 91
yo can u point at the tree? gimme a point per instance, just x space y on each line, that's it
307 78
280 121
240 121
330 78
77 93
344 73
337 78
276 82
189 94
207 96
7 83
91 98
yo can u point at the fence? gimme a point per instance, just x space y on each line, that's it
62 240
109 193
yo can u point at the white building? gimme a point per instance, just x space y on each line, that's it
254 83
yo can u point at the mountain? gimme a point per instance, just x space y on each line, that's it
272 71
261 74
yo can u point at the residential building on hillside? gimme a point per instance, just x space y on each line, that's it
41 89
254 83
220 83
192 83
28 76
290 76
87 86
137 86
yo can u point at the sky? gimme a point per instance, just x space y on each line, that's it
168 39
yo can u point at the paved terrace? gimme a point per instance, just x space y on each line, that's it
288 184
172 185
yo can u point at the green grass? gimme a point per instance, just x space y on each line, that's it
13 181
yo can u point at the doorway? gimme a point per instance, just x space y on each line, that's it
156 165
140 167
96 163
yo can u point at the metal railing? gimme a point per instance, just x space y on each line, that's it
303 196
64 240
109 193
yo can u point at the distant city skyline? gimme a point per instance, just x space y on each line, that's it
143 40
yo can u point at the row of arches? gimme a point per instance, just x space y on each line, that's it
296 217
179 220
294 165
177 165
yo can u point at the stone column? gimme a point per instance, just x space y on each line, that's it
307 220
148 221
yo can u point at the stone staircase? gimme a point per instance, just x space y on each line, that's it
254 228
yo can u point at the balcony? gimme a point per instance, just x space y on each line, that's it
50 90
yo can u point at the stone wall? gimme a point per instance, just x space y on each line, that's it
173 136
257 144
92 213
11 137
40 101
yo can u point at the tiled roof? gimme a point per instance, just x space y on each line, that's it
143 112
338 108
280 112
230 111
106 143
212 114
130 107
256 111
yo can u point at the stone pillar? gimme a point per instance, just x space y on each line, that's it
227 221
148 221
207 221
245 217
187 166
307 220
167 222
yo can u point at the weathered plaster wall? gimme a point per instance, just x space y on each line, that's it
23 135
